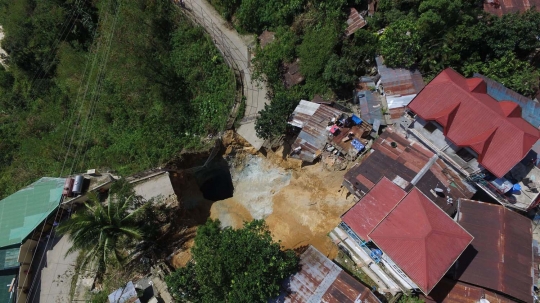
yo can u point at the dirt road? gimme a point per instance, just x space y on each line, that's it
234 46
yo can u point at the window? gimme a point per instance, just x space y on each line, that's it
430 127
464 154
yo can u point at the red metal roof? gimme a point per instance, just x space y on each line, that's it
472 118
321 280
373 207
502 7
500 256
421 239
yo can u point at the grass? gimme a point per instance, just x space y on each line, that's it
350 267
241 112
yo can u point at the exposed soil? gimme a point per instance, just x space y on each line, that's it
301 205
299 212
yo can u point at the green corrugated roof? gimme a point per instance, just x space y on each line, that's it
5 279
9 257
23 211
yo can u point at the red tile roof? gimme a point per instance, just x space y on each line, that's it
502 7
373 207
421 239
472 118
500 256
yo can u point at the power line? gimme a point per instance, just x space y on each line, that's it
71 142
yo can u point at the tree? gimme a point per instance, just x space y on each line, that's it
105 233
272 120
316 48
242 265
400 43
510 71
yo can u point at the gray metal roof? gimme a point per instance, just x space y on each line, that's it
23 211
9 257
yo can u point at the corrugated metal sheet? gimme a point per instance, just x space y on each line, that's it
21 212
292 74
405 161
399 81
421 239
314 135
373 207
474 119
530 108
9 257
302 113
266 37
321 280
500 257
370 106
503 7
354 22
450 291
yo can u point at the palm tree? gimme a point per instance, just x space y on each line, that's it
106 233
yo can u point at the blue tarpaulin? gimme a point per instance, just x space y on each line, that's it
356 120
357 144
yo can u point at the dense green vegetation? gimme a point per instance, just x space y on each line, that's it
426 34
106 233
434 34
118 84
242 265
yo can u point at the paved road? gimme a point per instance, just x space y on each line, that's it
231 44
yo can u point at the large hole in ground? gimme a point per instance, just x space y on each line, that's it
218 186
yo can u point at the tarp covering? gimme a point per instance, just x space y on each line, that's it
357 144
356 120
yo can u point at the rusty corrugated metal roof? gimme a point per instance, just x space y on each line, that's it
406 160
321 280
500 257
399 81
449 291
266 37
354 22
314 135
503 7
292 74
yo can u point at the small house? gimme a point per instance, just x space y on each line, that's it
415 241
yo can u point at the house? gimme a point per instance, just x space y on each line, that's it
503 7
319 125
26 217
451 291
408 164
321 280
266 38
398 85
371 108
411 236
500 258
530 109
486 140
355 21
292 75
